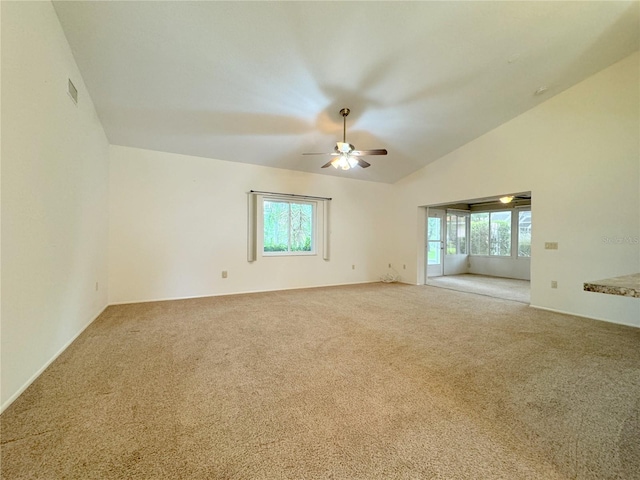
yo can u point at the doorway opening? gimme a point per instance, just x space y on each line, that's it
481 246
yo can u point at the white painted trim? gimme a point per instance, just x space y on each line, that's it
435 270
33 378
251 228
583 316
256 221
243 293
325 230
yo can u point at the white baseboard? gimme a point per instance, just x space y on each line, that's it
167 299
583 316
26 385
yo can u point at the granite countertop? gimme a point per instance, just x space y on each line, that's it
627 286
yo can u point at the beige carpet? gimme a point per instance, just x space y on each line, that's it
506 288
359 382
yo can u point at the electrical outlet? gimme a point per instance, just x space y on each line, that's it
551 245
554 284
353 267
404 267
224 274
389 265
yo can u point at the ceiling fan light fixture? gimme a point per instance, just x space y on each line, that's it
346 156
506 199
345 162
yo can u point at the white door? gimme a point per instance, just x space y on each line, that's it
434 243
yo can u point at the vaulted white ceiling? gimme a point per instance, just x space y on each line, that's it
263 82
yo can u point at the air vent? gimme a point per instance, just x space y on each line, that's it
73 92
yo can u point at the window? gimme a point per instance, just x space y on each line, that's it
524 233
289 227
479 234
434 238
456 234
500 233
491 233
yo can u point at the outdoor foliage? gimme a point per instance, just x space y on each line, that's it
287 226
456 234
490 237
524 247
433 239
524 234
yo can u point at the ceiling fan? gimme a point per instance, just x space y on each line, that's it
346 156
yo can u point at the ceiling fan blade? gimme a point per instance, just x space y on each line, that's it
379 151
347 152
328 164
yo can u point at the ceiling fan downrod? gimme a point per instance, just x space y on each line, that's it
346 156
344 112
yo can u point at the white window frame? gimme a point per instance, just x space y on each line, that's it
255 219
515 233
511 236
467 225
314 226
517 229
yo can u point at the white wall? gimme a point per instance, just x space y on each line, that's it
54 197
455 264
578 153
507 267
177 221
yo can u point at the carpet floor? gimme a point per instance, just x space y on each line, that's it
357 382
505 288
